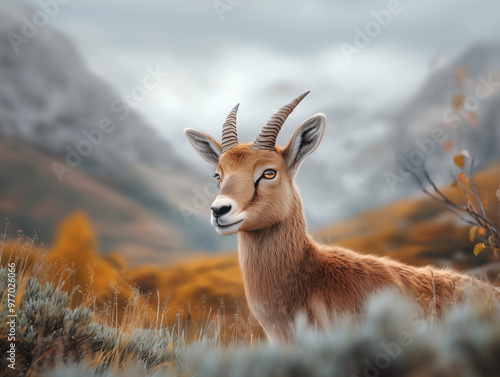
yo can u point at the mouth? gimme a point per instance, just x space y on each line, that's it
228 229
229 225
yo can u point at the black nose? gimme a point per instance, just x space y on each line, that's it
221 211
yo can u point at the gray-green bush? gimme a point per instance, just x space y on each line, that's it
392 339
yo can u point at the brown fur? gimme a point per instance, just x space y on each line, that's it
286 273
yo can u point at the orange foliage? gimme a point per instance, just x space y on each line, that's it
76 248
207 281
192 289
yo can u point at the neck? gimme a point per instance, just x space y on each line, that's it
267 253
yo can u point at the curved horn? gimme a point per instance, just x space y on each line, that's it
229 132
269 134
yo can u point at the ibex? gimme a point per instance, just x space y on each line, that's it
285 271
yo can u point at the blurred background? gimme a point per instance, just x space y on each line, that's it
94 98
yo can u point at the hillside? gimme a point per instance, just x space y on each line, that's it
419 231
49 105
42 201
346 177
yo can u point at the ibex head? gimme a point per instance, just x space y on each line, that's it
256 179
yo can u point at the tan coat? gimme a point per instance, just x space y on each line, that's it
285 272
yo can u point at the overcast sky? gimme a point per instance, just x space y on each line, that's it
263 53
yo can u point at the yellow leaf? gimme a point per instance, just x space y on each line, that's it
457 101
472 233
463 177
478 248
459 160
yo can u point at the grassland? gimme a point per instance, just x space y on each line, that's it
81 313
55 338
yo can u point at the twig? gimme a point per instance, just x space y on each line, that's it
475 218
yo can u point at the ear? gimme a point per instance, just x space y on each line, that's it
206 146
305 141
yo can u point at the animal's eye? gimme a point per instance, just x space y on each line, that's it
219 179
269 174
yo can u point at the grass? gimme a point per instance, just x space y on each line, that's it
51 330
83 314
55 337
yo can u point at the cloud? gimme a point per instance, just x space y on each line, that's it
262 46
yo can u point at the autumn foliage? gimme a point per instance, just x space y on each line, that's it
187 294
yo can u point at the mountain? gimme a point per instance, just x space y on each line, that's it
79 132
461 99
33 200
358 165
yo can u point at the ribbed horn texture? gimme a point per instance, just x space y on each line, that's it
229 132
269 134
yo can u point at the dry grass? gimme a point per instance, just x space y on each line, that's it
90 314
56 326
56 339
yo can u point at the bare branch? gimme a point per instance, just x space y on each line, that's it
465 209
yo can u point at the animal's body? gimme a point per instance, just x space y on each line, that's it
285 271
